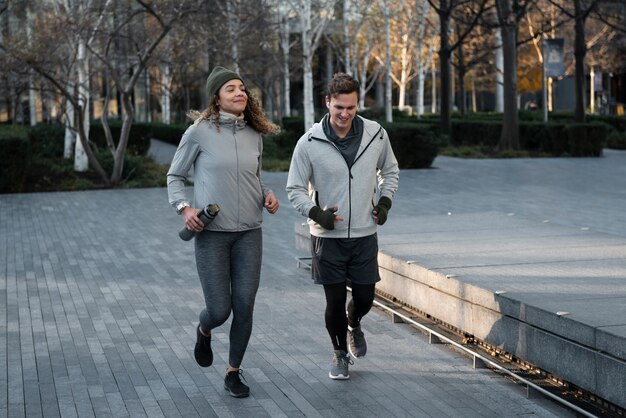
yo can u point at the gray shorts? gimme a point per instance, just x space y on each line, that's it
338 260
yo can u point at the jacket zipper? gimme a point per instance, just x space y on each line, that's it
349 173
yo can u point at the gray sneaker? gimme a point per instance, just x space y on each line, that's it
356 342
339 365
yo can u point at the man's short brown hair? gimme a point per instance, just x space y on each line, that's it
343 83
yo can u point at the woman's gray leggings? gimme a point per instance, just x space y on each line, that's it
229 266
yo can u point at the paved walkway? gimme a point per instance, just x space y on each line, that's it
100 301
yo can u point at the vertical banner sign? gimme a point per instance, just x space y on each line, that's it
597 83
554 57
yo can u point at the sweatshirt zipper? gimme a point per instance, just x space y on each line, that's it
349 173
350 178
238 181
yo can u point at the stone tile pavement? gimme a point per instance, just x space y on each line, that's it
99 300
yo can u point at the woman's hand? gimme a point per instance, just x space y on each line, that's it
271 203
190 217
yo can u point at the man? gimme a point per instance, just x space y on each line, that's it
343 177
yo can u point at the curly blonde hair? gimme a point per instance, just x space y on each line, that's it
253 114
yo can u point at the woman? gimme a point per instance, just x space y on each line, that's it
224 148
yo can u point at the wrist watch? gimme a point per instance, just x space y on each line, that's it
181 206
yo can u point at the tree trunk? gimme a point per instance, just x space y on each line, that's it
433 88
499 96
329 62
346 38
166 95
309 109
422 66
310 39
445 117
70 132
32 93
128 115
419 95
509 139
462 98
234 23
284 46
580 50
363 74
405 59
81 159
388 92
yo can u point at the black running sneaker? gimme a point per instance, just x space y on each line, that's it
234 385
202 352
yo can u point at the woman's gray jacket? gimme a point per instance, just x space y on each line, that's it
226 170
319 176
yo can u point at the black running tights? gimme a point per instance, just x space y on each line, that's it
335 315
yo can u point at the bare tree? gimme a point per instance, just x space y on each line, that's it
103 48
423 52
313 21
445 9
284 26
388 104
510 12
580 11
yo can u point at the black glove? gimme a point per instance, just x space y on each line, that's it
326 218
383 206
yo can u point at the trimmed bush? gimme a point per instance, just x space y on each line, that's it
534 136
138 139
476 132
616 140
171 134
379 114
617 122
294 124
47 141
586 139
15 152
133 164
577 140
414 145
280 146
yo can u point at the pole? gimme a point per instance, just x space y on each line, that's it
544 90
592 93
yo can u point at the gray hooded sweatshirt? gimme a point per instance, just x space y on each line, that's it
319 176
227 171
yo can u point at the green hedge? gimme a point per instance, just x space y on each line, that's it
414 145
379 114
553 138
15 155
616 140
280 146
293 124
171 134
47 140
138 139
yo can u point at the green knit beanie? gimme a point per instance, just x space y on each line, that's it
218 77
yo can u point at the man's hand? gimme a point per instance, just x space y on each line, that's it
380 210
327 218
271 203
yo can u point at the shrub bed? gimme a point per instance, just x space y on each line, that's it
15 150
616 140
414 145
171 134
555 139
138 139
